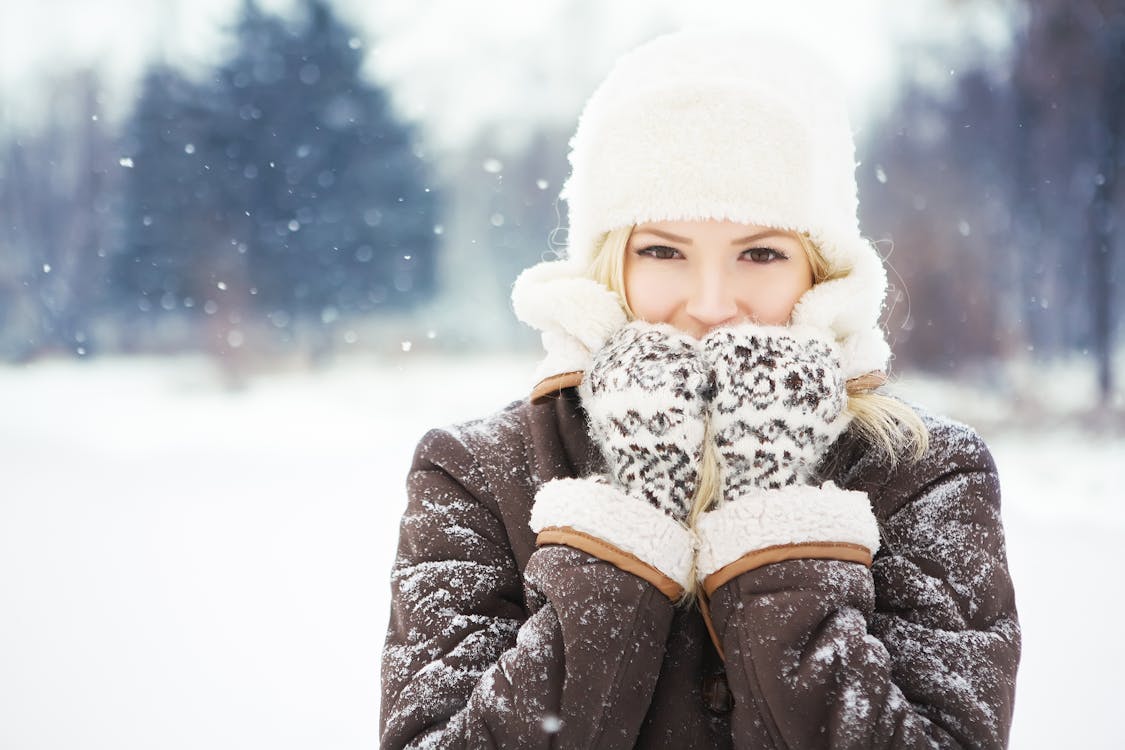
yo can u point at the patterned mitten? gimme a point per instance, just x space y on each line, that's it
779 403
645 395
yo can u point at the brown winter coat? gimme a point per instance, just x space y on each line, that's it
495 643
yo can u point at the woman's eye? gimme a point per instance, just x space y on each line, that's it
660 252
764 254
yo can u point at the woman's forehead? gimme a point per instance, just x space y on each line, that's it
686 230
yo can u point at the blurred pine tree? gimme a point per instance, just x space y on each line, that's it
284 189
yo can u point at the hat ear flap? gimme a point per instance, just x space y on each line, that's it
849 307
574 314
555 296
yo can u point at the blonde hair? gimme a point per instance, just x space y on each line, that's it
883 422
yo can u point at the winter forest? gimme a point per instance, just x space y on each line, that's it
250 250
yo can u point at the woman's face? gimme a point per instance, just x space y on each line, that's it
699 275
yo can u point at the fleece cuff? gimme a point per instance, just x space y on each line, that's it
594 508
797 517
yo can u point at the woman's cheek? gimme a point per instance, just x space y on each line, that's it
775 310
652 294
786 313
774 298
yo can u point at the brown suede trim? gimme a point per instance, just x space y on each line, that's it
602 549
866 383
845 551
555 383
705 610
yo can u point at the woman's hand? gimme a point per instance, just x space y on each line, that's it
779 403
646 396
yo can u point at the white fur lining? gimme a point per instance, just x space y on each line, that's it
849 307
599 509
574 313
791 515
564 353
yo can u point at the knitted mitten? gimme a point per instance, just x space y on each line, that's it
645 394
779 404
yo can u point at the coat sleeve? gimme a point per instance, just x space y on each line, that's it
473 658
920 650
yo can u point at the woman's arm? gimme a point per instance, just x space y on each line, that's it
469 663
920 650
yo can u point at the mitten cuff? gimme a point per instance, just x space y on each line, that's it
593 508
798 521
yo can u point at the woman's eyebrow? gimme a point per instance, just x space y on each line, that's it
759 235
665 235
739 241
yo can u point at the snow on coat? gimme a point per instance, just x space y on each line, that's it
495 643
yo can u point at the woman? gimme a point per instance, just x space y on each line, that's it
706 527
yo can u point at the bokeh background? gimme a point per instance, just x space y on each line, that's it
250 250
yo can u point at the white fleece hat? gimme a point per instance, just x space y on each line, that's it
721 125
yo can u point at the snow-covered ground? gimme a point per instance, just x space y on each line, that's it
183 566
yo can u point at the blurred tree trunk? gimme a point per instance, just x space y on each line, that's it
58 189
1069 85
1102 222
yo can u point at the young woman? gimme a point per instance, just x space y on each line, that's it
706 527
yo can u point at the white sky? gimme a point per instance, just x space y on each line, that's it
458 67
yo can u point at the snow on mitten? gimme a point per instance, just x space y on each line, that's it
646 397
779 403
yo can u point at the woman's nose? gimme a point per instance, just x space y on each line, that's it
712 301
